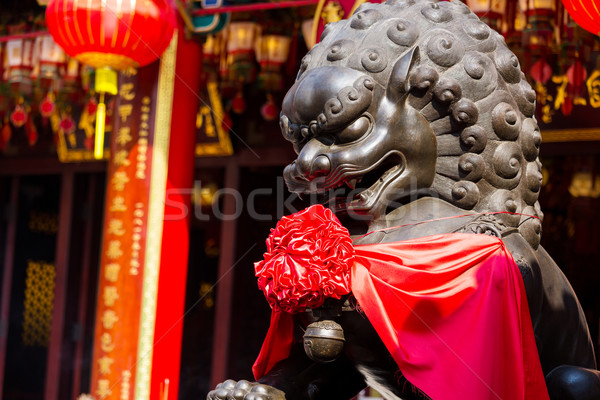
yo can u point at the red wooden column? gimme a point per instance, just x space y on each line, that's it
86 260
60 289
225 280
11 233
176 226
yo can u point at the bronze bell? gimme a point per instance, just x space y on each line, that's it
324 341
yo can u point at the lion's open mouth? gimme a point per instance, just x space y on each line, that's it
356 189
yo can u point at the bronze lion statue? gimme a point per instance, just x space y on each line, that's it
414 113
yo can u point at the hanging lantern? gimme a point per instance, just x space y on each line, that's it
516 22
111 35
271 53
52 56
586 13
211 55
241 37
489 11
19 54
538 35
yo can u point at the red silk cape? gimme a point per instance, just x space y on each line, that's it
452 311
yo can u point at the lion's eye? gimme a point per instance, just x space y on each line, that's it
354 131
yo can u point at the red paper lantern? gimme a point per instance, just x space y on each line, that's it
112 33
586 13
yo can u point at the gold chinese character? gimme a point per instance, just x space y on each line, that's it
104 364
561 90
115 227
125 111
103 388
119 180
118 204
547 113
110 295
593 86
126 92
120 158
114 250
106 343
124 135
146 100
129 72
542 93
111 272
109 319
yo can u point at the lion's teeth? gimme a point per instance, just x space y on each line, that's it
364 196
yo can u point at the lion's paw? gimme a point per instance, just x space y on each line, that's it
244 390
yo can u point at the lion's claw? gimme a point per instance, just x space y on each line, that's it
244 390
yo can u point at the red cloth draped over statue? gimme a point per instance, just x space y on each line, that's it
452 311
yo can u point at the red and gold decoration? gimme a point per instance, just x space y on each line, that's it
554 52
434 301
110 35
212 124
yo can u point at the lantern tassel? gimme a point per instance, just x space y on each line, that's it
106 82
100 118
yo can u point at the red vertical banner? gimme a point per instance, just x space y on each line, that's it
134 209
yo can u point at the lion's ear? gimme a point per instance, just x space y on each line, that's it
398 85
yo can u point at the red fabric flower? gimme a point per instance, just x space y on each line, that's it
308 259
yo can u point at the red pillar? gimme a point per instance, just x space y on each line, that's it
175 238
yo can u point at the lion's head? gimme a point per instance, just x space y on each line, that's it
418 95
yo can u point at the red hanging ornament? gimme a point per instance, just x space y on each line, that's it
269 110
92 106
18 117
47 106
586 13
238 104
540 71
67 125
31 132
576 74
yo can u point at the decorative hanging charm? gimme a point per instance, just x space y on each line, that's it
238 104
269 110
47 108
18 117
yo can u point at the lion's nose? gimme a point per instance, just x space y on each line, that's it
309 168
